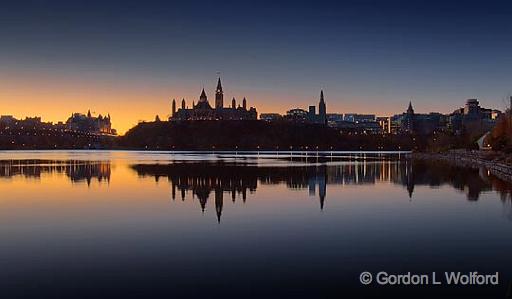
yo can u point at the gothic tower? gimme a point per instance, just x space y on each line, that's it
219 96
233 103
244 104
409 119
183 103
173 107
322 112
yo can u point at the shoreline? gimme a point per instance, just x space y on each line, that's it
491 161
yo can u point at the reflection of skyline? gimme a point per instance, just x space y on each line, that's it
202 179
76 171
222 180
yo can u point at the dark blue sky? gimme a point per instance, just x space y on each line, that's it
367 55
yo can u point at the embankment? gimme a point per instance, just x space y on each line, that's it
499 164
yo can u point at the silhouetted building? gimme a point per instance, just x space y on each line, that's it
203 111
309 116
297 115
7 119
321 117
415 123
271 117
384 123
472 117
359 118
90 124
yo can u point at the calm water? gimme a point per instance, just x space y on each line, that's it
147 225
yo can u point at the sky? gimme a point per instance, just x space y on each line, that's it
131 58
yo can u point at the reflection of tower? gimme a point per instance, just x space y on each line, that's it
219 96
410 179
322 186
202 202
219 201
173 191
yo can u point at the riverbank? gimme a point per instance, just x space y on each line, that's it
498 164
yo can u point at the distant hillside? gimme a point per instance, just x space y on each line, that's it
229 135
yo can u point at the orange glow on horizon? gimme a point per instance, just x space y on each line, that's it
130 100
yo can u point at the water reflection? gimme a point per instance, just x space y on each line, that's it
203 179
235 179
75 170
61 238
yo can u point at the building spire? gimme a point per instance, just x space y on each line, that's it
410 109
322 110
203 97
219 86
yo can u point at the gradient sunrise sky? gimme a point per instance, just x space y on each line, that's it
130 59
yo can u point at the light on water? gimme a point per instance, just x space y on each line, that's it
81 223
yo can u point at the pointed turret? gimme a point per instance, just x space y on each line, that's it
244 104
203 97
410 110
183 103
233 103
173 110
89 113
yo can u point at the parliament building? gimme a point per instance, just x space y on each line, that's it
203 111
